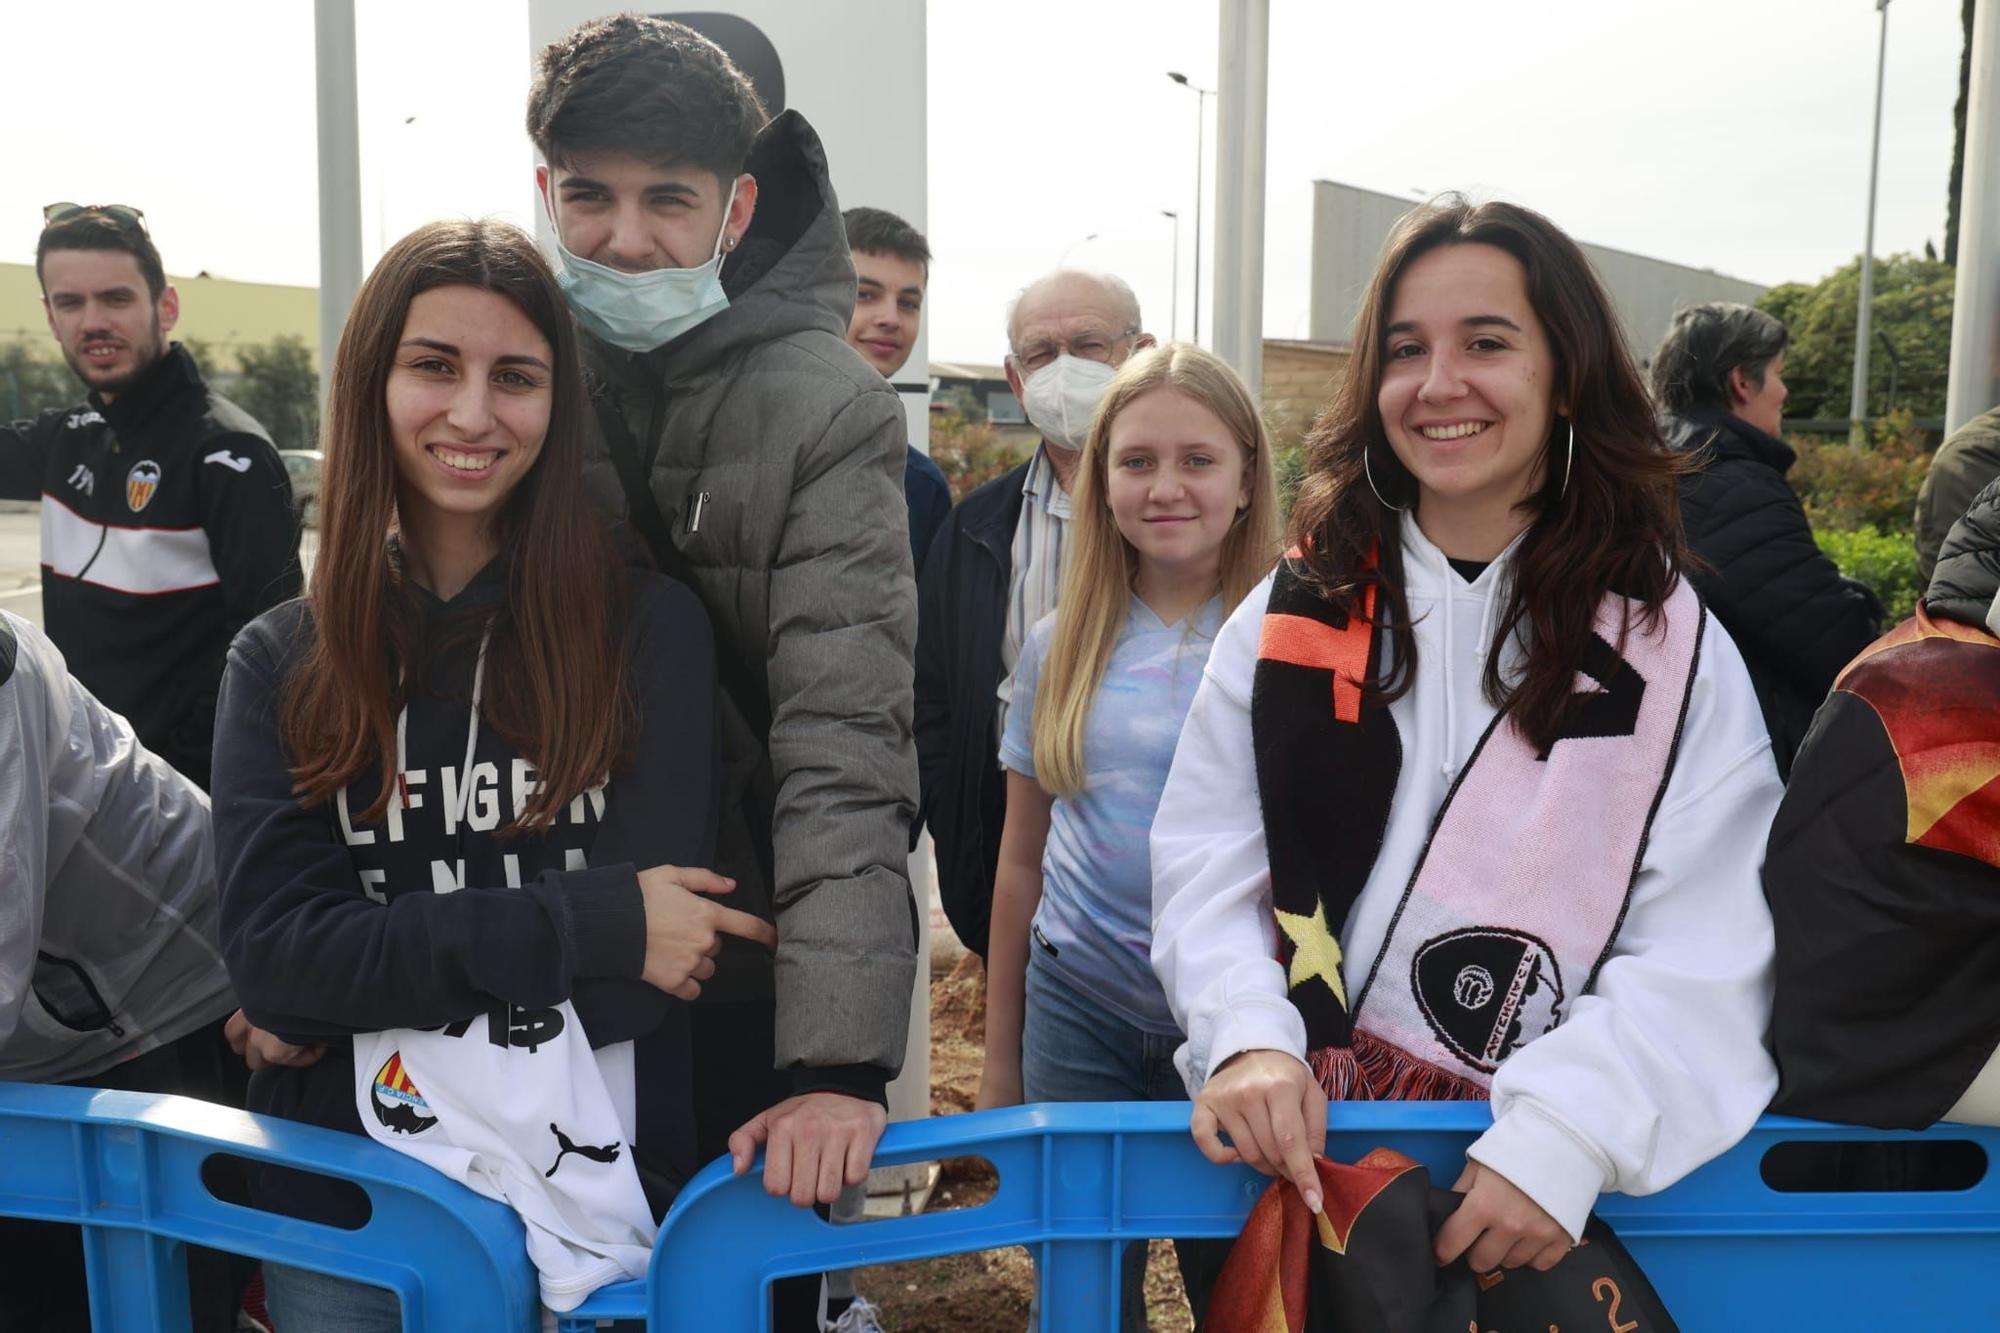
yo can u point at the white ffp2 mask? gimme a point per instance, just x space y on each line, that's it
1062 397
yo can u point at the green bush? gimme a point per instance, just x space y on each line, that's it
969 451
1885 561
1289 462
1846 486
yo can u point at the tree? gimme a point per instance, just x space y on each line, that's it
1908 366
31 383
278 385
1958 140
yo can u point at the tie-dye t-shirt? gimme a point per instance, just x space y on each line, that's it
1095 924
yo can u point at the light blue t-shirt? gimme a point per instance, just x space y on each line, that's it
1095 924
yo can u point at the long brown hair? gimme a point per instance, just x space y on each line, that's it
556 684
1099 565
1613 526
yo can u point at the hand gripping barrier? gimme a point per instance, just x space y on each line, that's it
1077 1181
127 1168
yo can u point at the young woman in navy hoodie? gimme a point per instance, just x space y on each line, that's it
456 784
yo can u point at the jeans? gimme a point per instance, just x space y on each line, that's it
1073 1050
302 1301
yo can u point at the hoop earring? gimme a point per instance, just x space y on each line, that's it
1368 471
1569 461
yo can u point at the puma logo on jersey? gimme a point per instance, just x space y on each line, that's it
565 1147
84 480
228 460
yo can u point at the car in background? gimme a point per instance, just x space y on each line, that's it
303 467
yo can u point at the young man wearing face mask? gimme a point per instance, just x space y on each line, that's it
761 461
993 570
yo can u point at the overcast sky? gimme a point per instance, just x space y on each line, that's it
1731 134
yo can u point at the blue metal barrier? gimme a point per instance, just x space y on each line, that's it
127 1168
1077 1181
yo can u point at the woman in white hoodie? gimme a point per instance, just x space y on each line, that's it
1472 799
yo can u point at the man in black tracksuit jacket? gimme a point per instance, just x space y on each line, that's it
167 519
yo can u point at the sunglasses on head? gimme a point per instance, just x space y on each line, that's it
123 214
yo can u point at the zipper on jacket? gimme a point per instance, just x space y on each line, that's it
100 1016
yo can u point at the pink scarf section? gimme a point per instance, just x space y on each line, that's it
1522 888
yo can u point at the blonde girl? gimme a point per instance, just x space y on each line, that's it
1176 520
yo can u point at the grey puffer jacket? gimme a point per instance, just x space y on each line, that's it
107 881
775 456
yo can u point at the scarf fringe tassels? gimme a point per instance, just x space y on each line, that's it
1372 1070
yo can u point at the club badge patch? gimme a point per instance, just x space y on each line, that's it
140 483
398 1104
1486 992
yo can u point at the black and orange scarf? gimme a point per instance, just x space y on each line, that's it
1524 878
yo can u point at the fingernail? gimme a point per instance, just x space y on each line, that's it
1313 1200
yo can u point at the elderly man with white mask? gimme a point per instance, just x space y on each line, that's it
993 571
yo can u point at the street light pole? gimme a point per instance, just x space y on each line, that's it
339 173
1081 240
1174 319
1857 408
1200 175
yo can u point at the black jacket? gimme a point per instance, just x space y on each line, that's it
1883 869
167 525
961 620
1785 604
332 927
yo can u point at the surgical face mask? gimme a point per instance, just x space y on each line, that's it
1062 397
641 311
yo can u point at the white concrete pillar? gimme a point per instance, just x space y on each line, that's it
1975 323
1241 109
339 174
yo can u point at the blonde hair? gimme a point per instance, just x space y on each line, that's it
1099 565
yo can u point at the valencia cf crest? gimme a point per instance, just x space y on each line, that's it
1487 991
140 483
398 1104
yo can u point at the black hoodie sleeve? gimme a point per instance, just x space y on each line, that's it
253 531
312 955
1885 1007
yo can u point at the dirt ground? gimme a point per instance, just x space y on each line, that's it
971 1293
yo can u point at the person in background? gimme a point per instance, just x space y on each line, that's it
110 973
465 783
1719 378
760 460
892 266
994 569
1883 870
167 520
1176 519
891 269
1472 798
1960 469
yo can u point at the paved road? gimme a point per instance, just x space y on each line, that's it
21 566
